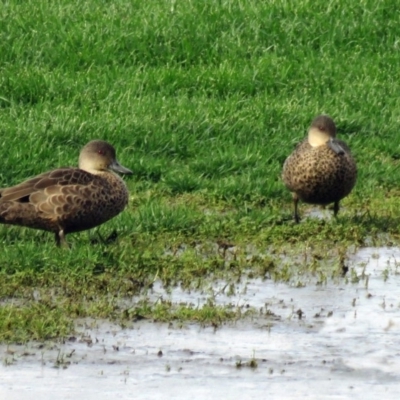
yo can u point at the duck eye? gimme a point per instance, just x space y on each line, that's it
101 152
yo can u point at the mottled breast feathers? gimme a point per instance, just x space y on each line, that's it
319 175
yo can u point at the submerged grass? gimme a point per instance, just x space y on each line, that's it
32 321
203 101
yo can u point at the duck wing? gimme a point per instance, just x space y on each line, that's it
53 194
48 182
63 200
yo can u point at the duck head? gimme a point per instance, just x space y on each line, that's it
99 156
323 131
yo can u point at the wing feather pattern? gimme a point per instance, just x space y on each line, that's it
54 193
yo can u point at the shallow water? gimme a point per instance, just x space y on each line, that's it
345 345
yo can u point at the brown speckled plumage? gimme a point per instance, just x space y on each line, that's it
320 174
69 200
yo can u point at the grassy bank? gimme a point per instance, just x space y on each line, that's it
203 100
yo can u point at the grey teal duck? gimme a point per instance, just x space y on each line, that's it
321 169
68 200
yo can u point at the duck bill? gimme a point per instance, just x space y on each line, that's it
335 146
117 167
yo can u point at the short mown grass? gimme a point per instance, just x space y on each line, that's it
203 100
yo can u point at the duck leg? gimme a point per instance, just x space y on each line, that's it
335 208
60 238
296 208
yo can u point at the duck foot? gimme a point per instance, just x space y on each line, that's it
108 240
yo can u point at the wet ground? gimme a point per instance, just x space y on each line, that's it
335 341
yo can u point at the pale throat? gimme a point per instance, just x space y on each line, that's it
317 137
90 167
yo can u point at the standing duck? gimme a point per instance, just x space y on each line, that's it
321 170
68 200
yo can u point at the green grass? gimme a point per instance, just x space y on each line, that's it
203 100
